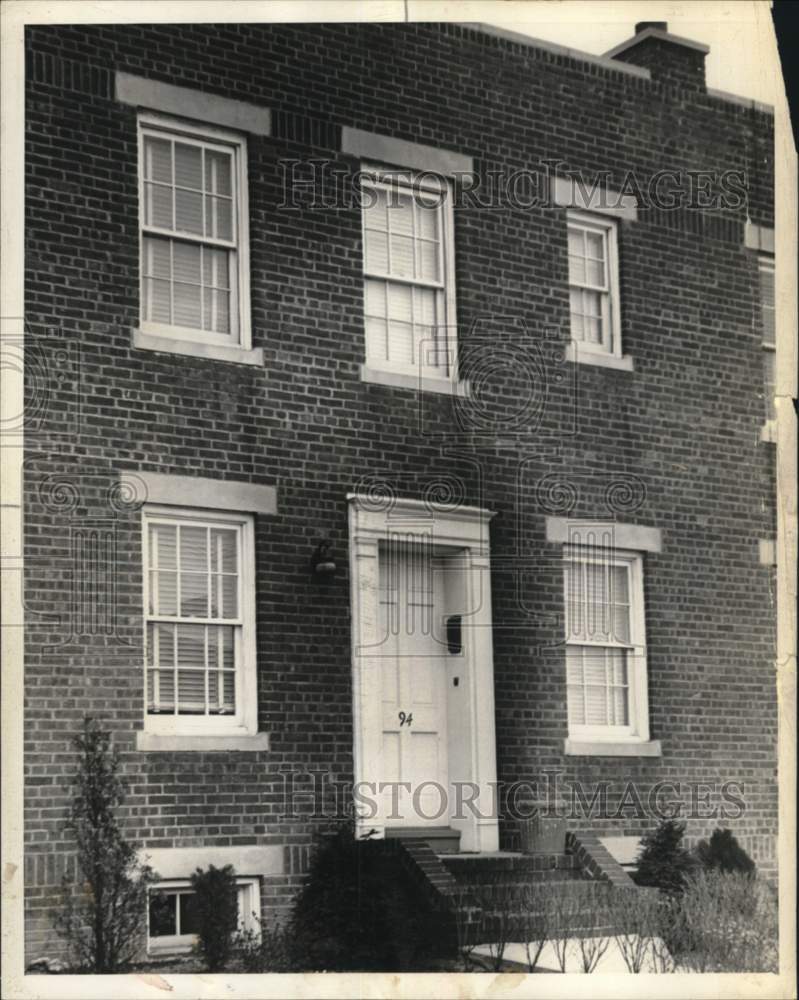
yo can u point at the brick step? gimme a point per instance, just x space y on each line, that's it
468 863
487 879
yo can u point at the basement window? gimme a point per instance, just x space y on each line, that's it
172 923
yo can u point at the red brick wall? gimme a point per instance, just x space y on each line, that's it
685 422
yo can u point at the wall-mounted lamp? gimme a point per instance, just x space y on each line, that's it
323 565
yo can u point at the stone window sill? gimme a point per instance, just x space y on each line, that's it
408 380
583 357
158 742
194 349
610 748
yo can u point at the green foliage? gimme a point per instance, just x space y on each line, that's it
357 911
102 919
216 902
724 852
663 862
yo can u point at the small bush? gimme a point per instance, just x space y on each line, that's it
268 949
358 912
217 914
729 924
102 918
663 862
724 852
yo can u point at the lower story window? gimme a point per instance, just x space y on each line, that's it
605 643
172 924
199 621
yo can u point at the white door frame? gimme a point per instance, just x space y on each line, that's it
472 738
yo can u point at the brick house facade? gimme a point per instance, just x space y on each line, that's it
297 417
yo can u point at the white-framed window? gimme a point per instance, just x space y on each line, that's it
594 283
766 279
605 644
409 274
194 232
199 583
172 914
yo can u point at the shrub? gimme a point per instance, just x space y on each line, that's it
357 910
729 924
663 862
217 914
268 949
634 918
591 937
102 919
724 852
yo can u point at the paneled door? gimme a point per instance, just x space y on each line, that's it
413 665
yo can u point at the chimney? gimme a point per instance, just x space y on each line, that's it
672 60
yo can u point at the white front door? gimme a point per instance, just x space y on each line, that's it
413 766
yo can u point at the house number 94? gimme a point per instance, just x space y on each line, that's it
405 720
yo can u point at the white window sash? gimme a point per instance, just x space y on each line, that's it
405 183
637 693
609 290
247 898
244 719
232 144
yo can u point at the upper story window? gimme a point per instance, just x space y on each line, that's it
409 288
594 283
193 215
605 644
200 627
766 269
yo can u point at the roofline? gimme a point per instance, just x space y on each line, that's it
664 36
744 102
555 49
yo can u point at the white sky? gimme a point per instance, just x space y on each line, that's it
742 57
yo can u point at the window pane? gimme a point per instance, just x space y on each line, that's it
374 207
375 298
576 242
161 645
158 206
224 550
595 245
188 166
189 916
595 272
158 159
217 311
376 254
428 261
191 692
402 263
376 339
191 645
163 916
218 172
428 222
219 218
186 262
187 305
189 211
